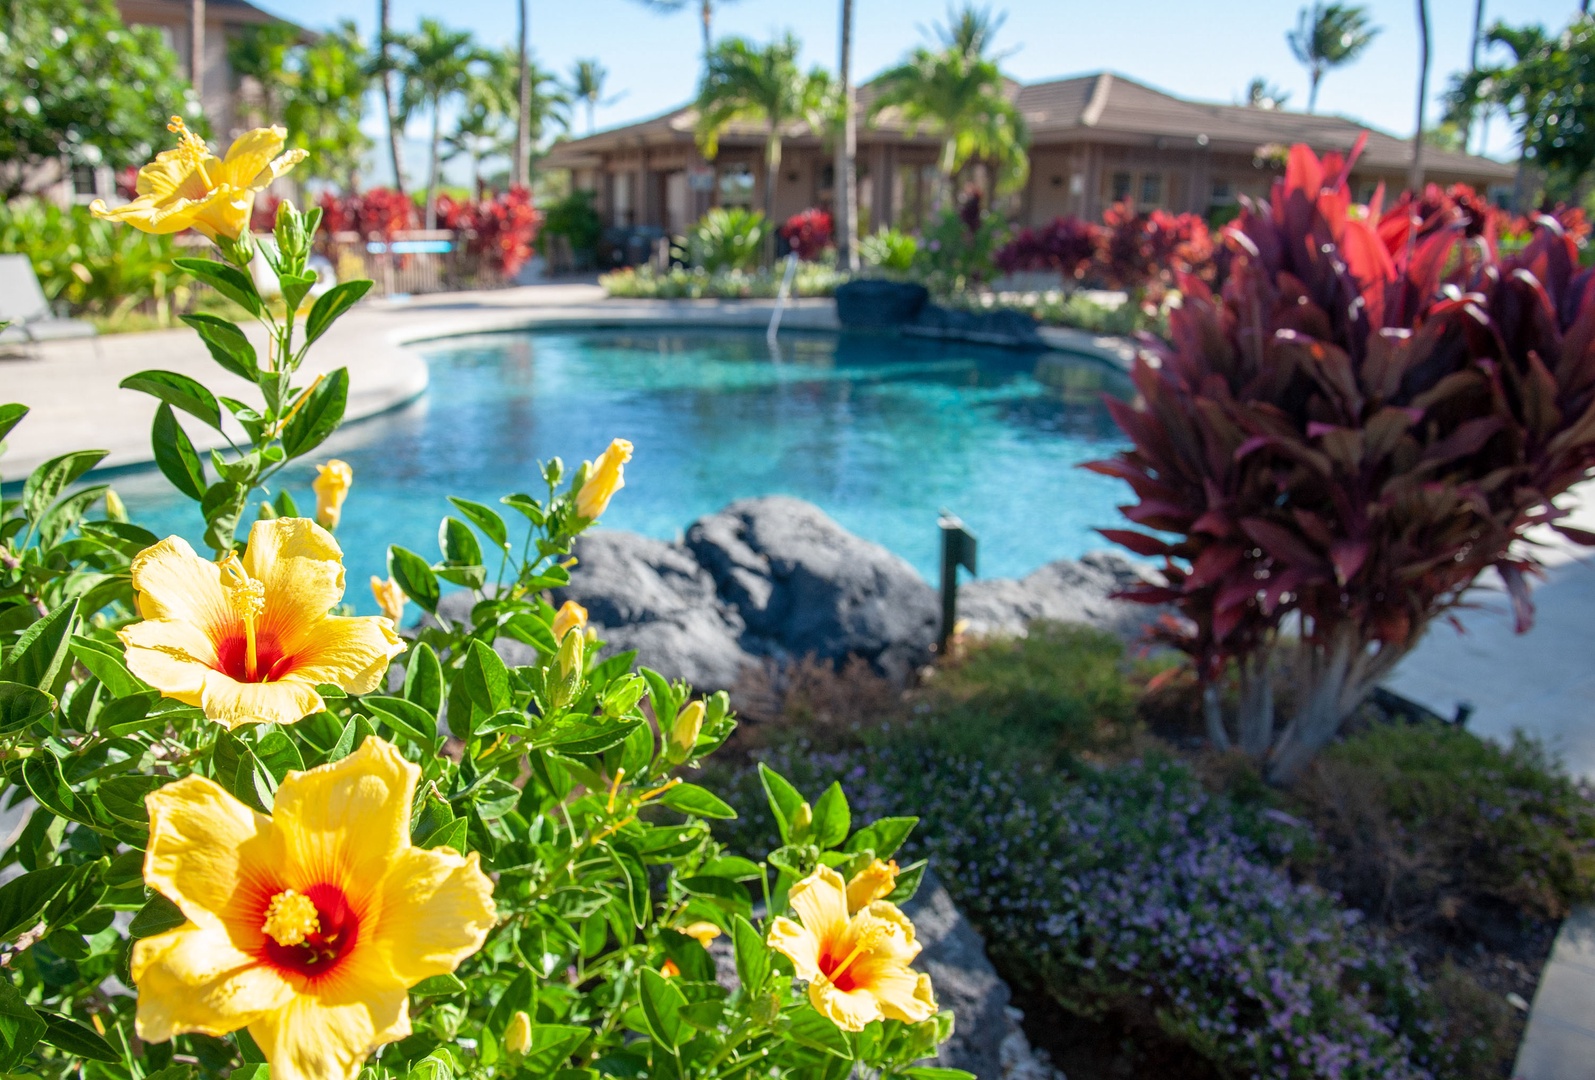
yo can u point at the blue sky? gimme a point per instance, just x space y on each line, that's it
1207 50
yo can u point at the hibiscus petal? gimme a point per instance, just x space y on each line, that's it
301 566
250 153
820 901
903 993
798 945
233 703
173 582
436 909
207 849
346 822
328 1035
194 979
850 1010
173 657
353 653
172 173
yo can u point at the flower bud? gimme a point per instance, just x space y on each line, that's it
604 478
290 234
571 616
802 821
702 931
669 969
684 732
114 508
390 598
569 658
875 882
518 1035
331 485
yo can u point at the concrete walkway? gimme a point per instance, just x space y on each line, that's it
72 386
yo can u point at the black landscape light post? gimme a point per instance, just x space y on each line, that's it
957 549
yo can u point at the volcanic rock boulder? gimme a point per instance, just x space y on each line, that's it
1062 591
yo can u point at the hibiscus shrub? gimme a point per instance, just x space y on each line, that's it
258 836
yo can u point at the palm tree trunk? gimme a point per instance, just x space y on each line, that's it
592 124
389 99
846 180
1415 178
1473 65
196 47
772 175
1314 78
432 171
523 118
944 169
707 15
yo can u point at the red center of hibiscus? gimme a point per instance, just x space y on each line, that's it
320 952
232 656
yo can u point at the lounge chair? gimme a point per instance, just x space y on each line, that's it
23 305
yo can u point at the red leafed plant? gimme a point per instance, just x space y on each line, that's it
498 231
1065 245
379 211
1335 445
1147 252
808 233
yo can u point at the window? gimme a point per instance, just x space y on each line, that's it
1122 182
84 180
1152 189
1223 193
623 218
736 186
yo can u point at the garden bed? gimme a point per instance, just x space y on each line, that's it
1159 910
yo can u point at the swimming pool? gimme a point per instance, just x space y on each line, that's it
880 432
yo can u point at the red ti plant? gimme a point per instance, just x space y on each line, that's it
497 231
1065 245
1336 444
808 233
1146 252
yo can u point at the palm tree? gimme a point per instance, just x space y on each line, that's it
959 94
523 113
196 47
1262 94
747 83
1328 36
262 53
1415 177
390 98
586 86
705 17
326 101
969 30
437 65
845 184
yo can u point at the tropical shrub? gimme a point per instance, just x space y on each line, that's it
497 231
265 837
807 233
1343 437
889 250
93 267
1065 245
1131 890
1148 252
576 219
724 239
956 248
378 212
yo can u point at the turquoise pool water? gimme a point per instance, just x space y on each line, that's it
880 432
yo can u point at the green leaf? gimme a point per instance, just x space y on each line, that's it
529 629
585 735
832 819
108 664
20 1027
405 717
551 1046
319 416
21 705
156 917
42 775
808 1028
692 799
784 799
458 543
77 1040
528 507
230 281
753 955
484 518
279 755
487 680
178 391
414 576
10 415
175 456
438 986
123 797
227 344
295 287
23 898
223 504
661 1008
908 882
883 836
330 305
454 835
423 680
731 895
45 484
934 1072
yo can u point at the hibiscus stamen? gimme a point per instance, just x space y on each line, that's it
869 937
193 147
291 917
248 598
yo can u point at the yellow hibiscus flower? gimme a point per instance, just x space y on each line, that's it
249 639
309 926
856 965
191 188
570 616
604 478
